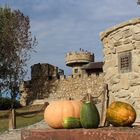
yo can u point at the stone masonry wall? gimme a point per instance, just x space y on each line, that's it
123 85
76 88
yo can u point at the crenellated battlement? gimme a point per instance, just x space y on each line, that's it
84 76
76 87
82 57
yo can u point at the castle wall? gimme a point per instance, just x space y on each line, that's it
77 87
121 47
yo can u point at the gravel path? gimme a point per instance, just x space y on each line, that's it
16 134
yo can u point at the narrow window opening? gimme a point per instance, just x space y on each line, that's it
125 59
76 71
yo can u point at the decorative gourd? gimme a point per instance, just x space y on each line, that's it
89 115
71 122
56 111
120 114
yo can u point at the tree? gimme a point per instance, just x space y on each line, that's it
16 43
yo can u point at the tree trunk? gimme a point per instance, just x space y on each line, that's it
12 119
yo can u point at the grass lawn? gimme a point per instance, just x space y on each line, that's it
23 120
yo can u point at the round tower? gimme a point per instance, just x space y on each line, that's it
77 59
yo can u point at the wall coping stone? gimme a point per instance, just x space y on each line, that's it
107 133
118 26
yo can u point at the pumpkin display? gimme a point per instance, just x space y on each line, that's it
56 111
89 115
120 114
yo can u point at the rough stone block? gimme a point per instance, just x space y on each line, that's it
123 48
115 80
136 29
107 51
118 36
114 88
105 41
127 41
136 37
110 72
137 44
118 43
135 82
123 95
124 82
111 63
127 33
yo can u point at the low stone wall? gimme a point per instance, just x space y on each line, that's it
107 133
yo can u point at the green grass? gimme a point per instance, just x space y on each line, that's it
23 120
28 120
3 125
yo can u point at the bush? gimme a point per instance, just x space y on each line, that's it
5 103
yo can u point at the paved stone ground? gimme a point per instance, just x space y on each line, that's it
16 134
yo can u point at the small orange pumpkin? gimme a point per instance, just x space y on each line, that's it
121 114
56 111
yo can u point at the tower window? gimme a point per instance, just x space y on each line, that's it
75 70
125 59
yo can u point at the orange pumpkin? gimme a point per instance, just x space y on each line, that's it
56 111
121 114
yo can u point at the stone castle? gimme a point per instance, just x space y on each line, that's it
48 82
120 71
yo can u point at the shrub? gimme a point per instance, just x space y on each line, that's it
5 103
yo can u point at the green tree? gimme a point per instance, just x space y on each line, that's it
16 43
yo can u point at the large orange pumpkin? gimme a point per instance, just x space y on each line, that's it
121 114
56 111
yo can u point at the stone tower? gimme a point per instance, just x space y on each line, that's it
77 59
42 76
121 47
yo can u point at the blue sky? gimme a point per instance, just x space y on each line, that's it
62 26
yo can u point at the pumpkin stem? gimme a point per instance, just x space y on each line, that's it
88 97
70 98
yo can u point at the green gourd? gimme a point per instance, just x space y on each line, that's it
89 115
71 122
